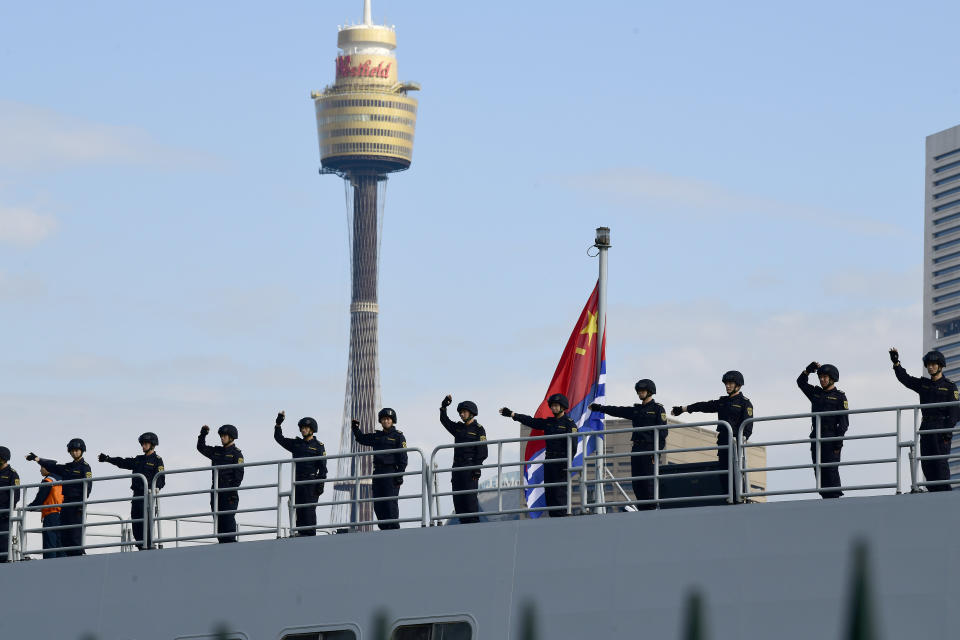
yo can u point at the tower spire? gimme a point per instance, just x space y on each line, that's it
367 13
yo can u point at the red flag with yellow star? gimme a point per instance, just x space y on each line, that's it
577 378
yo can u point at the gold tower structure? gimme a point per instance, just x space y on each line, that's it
365 124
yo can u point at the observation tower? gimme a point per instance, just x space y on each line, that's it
365 123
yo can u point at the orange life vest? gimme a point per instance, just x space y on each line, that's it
54 497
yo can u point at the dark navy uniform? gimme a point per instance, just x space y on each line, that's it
226 478
934 444
149 465
555 459
466 457
830 427
73 514
8 500
642 415
734 410
305 495
385 463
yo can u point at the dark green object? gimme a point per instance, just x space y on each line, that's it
380 626
693 626
528 622
860 623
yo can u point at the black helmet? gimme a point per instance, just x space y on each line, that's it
5 454
829 370
645 384
309 423
387 412
467 405
150 437
560 399
228 430
934 357
733 376
77 443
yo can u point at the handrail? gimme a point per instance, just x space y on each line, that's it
575 483
23 508
277 508
584 484
913 447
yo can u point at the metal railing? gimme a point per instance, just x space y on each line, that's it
577 476
20 530
855 434
584 484
276 507
358 484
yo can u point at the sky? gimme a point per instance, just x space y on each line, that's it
169 256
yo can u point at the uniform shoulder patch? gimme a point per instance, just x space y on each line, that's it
16 481
89 475
846 405
750 412
483 437
160 468
403 445
663 416
239 460
956 395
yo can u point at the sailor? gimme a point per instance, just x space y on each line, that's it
469 430
149 465
305 495
73 510
733 408
48 499
224 501
826 397
387 487
9 497
555 458
936 388
646 413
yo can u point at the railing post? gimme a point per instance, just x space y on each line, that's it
426 482
569 440
816 464
899 487
915 475
293 476
9 550
731 465
583 477
83 516
656 466
500 476
216 505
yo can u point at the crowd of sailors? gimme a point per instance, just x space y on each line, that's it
61 504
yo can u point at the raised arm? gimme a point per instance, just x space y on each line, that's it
202 446
445 420
286 443
710 406
617 412
808 389
366 439
123 463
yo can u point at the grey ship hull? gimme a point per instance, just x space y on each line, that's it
778 570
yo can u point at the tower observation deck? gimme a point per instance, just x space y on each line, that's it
365 125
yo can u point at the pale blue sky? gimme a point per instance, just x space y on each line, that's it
169 256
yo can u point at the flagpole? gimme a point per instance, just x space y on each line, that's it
603 244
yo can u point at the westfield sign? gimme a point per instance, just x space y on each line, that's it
362 70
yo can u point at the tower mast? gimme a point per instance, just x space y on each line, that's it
365 126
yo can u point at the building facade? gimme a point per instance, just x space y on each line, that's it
941 253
